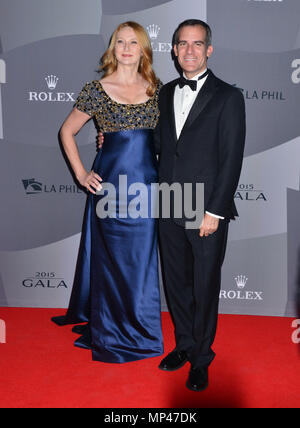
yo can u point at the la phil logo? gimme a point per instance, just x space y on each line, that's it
261 94
50 95
32 187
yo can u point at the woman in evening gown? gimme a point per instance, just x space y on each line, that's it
116 283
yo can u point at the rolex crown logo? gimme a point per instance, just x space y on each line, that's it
241 281
51 81
153 31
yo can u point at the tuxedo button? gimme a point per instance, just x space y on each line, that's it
177 154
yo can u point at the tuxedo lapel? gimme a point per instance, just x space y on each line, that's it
171 112
205 95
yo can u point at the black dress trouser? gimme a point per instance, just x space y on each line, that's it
191 268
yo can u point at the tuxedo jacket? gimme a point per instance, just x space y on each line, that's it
211 145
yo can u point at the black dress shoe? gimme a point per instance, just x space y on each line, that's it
174 361
80 329
60 320
198 379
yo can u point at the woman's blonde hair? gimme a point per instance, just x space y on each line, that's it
109 62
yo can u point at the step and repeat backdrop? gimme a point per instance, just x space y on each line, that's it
50 48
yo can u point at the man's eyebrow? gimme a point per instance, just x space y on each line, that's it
194 41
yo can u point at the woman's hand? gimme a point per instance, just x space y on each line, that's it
91 180
100 140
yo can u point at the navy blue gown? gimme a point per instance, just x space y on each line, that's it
116 284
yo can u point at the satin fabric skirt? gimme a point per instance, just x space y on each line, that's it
116 284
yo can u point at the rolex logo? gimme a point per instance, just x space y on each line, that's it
51 81
51 95
241 294
157 45
153 31
241 281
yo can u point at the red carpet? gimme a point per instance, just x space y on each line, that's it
257 365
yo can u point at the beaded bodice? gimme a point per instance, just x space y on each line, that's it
112 116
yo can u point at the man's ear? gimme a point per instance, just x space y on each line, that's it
175 50
210 50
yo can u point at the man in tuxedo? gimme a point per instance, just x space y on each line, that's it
200 139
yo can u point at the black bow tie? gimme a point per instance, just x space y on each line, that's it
191 83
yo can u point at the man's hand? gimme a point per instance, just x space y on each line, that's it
209 225
100 140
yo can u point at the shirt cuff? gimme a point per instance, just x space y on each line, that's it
215 215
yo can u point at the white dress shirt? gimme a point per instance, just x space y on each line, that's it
184 99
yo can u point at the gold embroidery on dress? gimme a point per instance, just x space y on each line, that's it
112 116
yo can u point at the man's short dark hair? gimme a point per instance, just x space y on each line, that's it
193 23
